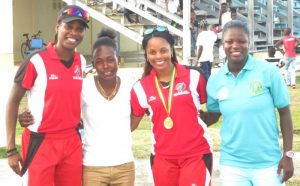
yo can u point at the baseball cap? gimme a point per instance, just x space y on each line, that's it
73 12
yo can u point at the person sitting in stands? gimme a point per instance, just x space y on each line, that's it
274 60
127 13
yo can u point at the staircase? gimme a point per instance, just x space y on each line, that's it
270 20
263 35
102 11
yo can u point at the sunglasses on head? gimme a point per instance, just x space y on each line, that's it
157 29
72 11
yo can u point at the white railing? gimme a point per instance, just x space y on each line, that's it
185 21
185 34
150 17
108 22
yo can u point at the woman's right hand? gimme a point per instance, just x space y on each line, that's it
15 163
26 118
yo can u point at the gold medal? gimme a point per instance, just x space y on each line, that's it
168 123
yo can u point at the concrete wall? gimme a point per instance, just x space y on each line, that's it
7 71
6 36
29 16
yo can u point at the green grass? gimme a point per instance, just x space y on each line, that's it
142 135
295 102
142 140
19 131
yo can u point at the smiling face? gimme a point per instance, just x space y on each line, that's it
224 8
236 45
70 35
159 53
233 15
105 62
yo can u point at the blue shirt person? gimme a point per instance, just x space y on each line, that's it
246 92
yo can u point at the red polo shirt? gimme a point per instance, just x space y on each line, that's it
53 90
189 136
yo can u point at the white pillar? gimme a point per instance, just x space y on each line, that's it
270 22
186 46
6 50
6 36
290 13
251 23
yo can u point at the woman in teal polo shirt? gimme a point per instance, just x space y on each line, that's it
246 92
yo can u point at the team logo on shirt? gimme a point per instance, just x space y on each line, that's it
151 98
255 87
223 93
53 76
181 89
77 73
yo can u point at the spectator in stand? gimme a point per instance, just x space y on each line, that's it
128 13
225 15
172 95
233 13
246 91
274 60
52 78
164 5
115 8
205 45
289 44
194 32
180 6
173 7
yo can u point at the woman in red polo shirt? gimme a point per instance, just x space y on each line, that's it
172 94
52 78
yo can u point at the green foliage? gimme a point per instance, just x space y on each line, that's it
3 151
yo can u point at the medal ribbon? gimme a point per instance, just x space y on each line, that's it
168 110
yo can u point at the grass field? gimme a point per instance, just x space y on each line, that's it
142 142
141 136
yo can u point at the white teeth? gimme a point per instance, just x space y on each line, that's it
159 62
72 39
236 53
107 73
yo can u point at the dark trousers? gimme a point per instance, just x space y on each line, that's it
206 68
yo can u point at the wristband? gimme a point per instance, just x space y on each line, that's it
12 152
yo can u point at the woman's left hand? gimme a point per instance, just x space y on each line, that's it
286 165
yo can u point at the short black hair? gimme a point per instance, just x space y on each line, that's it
271 51
232 10
236 24
106 37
